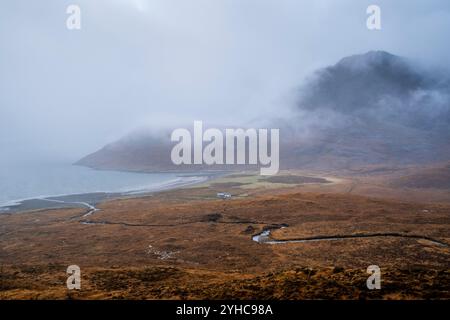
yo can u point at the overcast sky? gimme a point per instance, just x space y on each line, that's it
137 63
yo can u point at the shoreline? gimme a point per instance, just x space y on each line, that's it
91 199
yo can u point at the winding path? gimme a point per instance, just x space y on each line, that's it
262 237
91 208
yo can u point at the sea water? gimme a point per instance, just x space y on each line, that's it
29 181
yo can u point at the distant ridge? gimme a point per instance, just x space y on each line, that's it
367 109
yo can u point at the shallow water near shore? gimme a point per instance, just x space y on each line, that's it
29 187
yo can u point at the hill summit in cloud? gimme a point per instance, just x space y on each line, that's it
379 86
370 109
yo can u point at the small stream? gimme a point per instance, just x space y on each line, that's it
265 238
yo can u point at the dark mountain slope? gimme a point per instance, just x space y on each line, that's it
369 109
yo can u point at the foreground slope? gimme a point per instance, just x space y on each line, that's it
189 244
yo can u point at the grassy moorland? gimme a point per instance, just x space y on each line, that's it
186 243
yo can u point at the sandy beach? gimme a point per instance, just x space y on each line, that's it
86 200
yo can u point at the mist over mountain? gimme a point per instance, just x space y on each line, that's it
379 86
141 150
369 109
